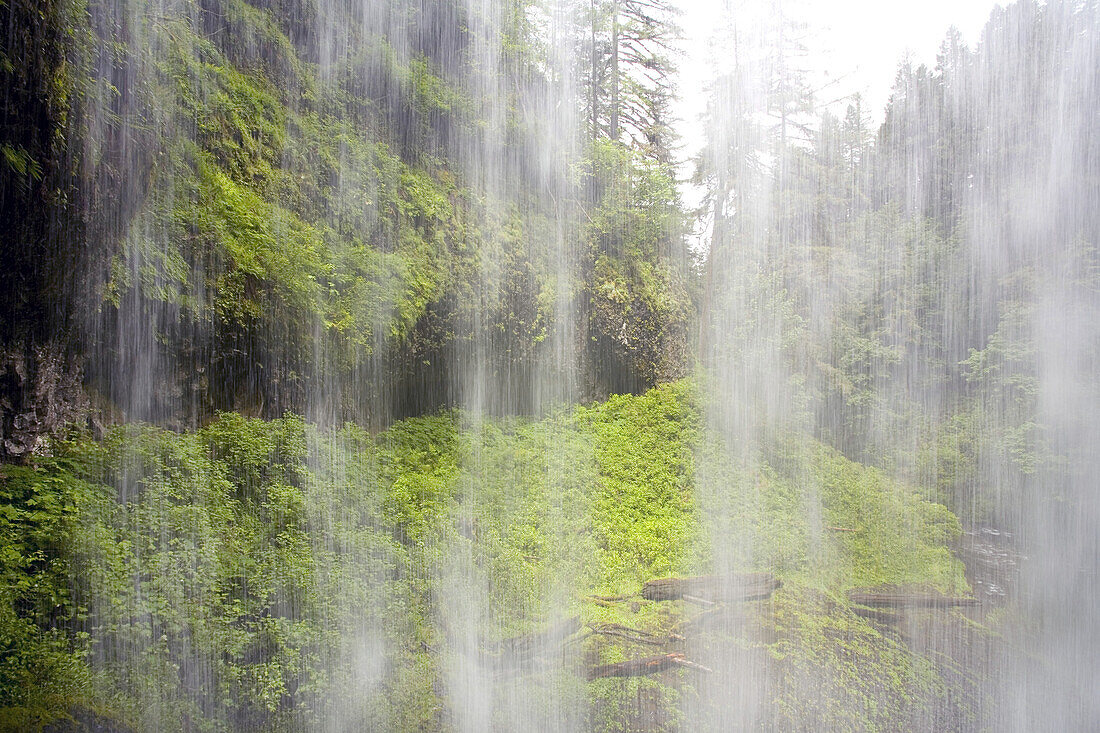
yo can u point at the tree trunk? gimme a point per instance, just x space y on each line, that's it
643 667
615 72
899 599
594 78
715 588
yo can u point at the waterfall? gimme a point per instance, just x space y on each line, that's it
418 366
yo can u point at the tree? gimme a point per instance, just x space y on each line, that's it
627 86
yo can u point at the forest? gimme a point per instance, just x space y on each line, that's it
399 366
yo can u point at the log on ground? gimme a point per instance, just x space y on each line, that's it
713 588
895 599
529 645
878 614
646 666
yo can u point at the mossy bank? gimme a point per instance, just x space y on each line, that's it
267 575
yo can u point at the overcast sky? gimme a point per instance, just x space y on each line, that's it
854 45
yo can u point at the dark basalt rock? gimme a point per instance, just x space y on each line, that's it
40 394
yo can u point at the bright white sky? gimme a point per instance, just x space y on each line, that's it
856 44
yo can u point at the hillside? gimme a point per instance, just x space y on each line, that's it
270 575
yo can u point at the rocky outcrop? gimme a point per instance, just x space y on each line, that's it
40 394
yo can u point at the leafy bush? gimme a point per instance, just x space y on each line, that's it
268 575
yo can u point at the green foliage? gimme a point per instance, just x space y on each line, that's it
638 303
803 510
286 209
644 511
40 673
837 672
21 162
290 206
268 575
899 537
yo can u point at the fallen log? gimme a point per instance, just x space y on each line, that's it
875 614
625 632
712 588
638 636
643 667
613 601
529 645
620 627
896 599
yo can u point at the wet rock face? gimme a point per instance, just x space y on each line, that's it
992 563
40 393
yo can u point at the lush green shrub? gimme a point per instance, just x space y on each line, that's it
269 575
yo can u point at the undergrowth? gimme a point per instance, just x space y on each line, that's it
268 575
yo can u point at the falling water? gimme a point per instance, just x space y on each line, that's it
951 251
335 298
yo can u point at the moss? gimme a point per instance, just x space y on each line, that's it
284 210
637 303
836 671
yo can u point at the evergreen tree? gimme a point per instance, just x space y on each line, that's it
628 81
